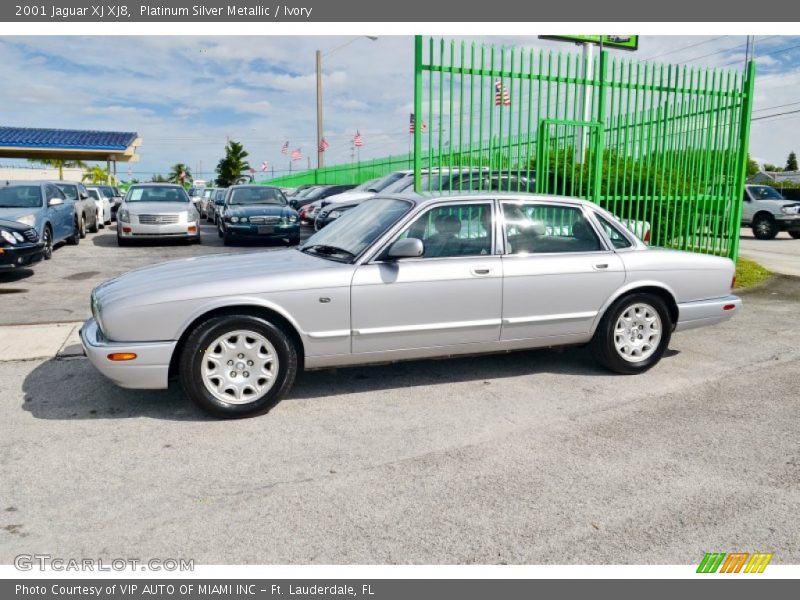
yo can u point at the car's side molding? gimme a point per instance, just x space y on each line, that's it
428 327
577 316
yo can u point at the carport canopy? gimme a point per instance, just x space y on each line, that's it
69 144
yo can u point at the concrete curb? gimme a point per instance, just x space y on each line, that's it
31 342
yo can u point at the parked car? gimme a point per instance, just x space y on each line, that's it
196 195
257 212
20 245
330 212
41 205
205 199
403 277
319 193
103 205
114 196
157 211
767 212
300 189
213 206
367 189
305 213
85 208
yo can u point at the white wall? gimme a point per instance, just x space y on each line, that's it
28 173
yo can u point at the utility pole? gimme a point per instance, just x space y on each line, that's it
320 153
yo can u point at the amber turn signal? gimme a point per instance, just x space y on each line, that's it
118 356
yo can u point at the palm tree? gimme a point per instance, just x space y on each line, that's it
95 175
60 164
180 174
233 166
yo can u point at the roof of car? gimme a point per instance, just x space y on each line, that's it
156 184
421 198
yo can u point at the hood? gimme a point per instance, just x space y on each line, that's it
147 208
215 275
12 214
13 225
252 210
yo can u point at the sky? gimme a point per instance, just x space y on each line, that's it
186 96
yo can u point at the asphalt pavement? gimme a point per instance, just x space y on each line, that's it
532 457
780 255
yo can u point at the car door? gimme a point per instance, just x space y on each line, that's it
747 208
558 272
61 216
449 296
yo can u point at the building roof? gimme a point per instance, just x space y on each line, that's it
68 144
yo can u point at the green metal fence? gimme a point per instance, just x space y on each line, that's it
355 172
662 146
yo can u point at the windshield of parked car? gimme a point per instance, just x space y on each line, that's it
383 183
401 185
765 192
256 195
107 190
93 194
347 237
156 193
70 191
207 193
20 196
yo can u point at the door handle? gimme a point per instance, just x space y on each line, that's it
480 271
601 266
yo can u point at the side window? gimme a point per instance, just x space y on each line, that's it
454 230
746 198
617 239
53 192
543 228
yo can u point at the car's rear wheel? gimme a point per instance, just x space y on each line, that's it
95 227
99 223
47 238
633 334
795 234
764 227
237 365
82 226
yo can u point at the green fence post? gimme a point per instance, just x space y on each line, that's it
601 119
418 112
744 143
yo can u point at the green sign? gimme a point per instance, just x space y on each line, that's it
623 42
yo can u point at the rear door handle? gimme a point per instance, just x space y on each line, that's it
480 271
601 266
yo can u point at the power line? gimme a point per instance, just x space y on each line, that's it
776 106
778 51
685 47
724 50
788 112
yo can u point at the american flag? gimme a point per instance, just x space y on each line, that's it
265 166
412 122
358 141
323 145
252 170
285 148
296 155
501 96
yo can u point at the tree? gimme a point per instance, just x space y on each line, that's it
60 164
96 174
772 168
180 174
233 166
791 162
158 178
752 166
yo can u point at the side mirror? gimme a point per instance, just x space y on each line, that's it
407 248
55 202
293 203
84 196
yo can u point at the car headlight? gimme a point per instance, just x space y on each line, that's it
791 209
234 219
192 216
96 313
290 219
28 220
8 237
335 214
124 216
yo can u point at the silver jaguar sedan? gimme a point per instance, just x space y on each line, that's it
157 211
403 277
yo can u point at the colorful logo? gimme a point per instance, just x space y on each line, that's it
735 562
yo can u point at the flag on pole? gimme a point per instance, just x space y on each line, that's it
412 123
296 154
323 145
358 141
501 96
265 166
252 170
285 148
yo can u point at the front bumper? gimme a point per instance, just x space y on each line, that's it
788 222
707 312
22 255
258 231
148 371
138 231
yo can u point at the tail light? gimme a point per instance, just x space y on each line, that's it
729 307
646 238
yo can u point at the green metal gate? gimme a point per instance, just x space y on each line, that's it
661 145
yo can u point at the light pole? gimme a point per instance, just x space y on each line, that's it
320 132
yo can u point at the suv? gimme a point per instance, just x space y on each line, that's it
767 212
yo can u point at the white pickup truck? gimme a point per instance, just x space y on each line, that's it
767 212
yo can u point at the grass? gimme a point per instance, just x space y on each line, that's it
750 273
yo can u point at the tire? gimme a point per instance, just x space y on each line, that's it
82 226
219 232
795 234
47 238
609 346
764 227
95 228
121 242
293 241
75 238
205 360
100 223
226 240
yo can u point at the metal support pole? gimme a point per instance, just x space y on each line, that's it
744 143
585 102
600 142
418 112
320 153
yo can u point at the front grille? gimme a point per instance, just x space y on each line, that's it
158 219
258 220
31 235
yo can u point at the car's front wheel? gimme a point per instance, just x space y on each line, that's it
795 234
764 227
47 239
237 365
76 236
633 334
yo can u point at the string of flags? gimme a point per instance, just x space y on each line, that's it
323 145
358 141
412 124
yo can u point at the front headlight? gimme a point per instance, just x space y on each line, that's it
8 237
96 313
28 220
289 220
234 219
124 216
335 214
192 216
791 209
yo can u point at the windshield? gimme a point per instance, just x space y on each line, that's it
765 192
156 193
385 182
357 229
107 190
401 185
20 196
207 193
93 194
70 191
256 195
366 186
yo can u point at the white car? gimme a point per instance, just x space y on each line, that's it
103 206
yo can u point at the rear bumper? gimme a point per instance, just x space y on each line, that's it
20 256
707 312
148 371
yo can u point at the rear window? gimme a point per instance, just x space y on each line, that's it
94 195
70 191
614 234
